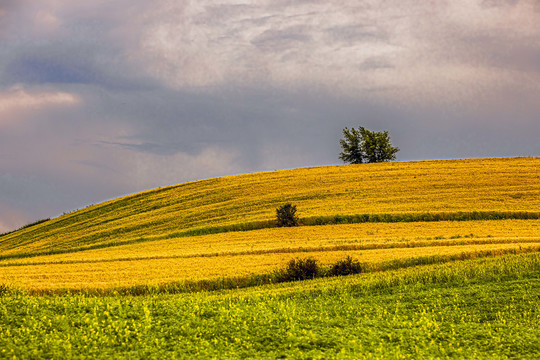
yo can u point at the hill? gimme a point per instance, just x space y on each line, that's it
448 254
385 188
189 232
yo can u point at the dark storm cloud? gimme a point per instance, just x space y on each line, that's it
40 70
100 99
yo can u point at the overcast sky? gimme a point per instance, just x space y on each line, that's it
103 98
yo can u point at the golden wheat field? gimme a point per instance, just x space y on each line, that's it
310 238
409 187
108 274
138 239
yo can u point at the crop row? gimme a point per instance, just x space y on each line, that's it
59 246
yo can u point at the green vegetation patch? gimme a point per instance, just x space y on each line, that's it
486 308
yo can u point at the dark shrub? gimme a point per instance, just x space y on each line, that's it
345 267
301 269
286 215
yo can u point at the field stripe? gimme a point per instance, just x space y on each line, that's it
165 271
250 280
314 221
350 247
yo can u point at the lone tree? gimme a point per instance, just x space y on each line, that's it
364 146
286 215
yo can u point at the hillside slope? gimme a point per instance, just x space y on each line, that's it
509 184
424 285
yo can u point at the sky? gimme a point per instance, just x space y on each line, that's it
100 99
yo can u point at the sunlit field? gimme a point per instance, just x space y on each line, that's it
448 256
111 274
260 251
309 238
476 309
498 185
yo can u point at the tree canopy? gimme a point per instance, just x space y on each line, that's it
286 215
364 146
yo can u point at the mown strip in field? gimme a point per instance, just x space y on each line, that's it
224 282
367 218
296 250
370 235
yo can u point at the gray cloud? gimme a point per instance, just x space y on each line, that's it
498 3
281 40
358 33
374 63
100 99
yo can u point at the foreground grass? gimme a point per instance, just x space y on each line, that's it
485 308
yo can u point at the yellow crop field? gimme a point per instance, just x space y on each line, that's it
110 274
310 238
511 184
260 251
142 240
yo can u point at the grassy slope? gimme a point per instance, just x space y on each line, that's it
409 187
486 308
483 308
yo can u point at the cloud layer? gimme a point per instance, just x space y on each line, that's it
100 99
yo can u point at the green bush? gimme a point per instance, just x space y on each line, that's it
300 269
347 266
286 215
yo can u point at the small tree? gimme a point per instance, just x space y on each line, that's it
364 146
286 215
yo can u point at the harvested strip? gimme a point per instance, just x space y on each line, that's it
44 260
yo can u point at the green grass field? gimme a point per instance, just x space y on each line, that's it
449 254
484 308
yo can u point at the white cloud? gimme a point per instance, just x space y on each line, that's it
17 100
